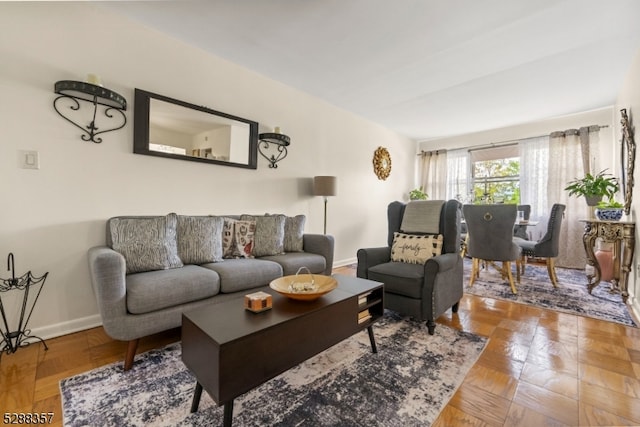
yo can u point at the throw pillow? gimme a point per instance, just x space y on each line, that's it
422 216
294 233
147 243
269 237
238 238
415 249
200 239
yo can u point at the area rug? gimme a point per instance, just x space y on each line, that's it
407 383
535 288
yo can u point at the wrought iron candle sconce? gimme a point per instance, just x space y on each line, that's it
12 340
278 139
93 93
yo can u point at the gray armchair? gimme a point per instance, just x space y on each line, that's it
490 229
548 246
424 291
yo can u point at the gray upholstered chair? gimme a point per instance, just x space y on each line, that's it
421 290
519 230
548 246
490 229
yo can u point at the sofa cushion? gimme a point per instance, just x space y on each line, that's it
242 273
415 249
155 290
147 243
200 239
269 237
238 238
292 261
293 233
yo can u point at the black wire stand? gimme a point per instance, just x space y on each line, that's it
12 340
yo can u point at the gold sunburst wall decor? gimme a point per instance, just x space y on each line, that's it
382 163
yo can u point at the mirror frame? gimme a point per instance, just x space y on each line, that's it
142 102
628 159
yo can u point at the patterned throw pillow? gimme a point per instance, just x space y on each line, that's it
415 249
147 243
238 238
293 233
269 238
200 239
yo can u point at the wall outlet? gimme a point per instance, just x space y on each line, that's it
29 159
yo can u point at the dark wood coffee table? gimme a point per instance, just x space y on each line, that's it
231 350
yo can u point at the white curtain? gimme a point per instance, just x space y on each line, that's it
433 174
458 184
534 174
569 154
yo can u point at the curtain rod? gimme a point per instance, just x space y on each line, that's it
497 144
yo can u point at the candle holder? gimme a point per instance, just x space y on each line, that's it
13 339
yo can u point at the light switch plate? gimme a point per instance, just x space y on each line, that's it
29 159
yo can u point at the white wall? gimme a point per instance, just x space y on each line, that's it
629 98
50 217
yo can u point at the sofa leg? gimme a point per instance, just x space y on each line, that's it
131 354
431 325
454 307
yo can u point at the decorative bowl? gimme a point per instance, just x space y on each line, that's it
609 214
304 287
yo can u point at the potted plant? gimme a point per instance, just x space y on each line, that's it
609 210
418 194
594 187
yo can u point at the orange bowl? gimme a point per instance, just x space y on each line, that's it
287 286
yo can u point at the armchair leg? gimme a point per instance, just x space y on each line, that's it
454 307
431 325
131 354
551 269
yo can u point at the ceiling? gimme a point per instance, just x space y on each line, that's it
424 68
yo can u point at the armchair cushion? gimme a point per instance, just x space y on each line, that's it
415 249
422 216
147 243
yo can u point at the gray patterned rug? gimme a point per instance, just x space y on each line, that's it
407 383
536 289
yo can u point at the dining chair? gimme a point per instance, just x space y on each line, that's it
547 247
520 230
490 229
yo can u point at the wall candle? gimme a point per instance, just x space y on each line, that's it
94 79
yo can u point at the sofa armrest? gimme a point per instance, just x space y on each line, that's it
320 244
368 257
107 269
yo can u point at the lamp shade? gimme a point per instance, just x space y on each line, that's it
324 186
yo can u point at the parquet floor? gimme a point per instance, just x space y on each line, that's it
540 368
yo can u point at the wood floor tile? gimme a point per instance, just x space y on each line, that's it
492 381
587 325
603 361
632 343
549 379
482 404
634 355
501 363
607 348
514 350
50 405
451 416
554 355
521 416
520 337
610 380
592 416
547 402
610 401
636 369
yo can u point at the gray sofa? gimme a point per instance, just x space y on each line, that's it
153 268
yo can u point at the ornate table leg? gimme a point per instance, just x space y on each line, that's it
627 259
589 240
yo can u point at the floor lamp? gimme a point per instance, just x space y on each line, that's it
324 186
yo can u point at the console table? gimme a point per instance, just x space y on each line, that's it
622 235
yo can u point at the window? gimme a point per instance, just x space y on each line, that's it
495 175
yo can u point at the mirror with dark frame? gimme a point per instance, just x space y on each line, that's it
167 127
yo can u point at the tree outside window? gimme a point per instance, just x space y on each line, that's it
496 181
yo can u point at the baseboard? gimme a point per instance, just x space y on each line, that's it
634 305
345 262
65 328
